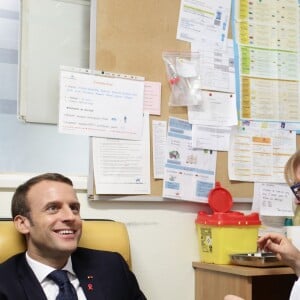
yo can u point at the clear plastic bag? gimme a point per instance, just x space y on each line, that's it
183 73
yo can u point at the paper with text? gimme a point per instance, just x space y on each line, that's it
216 109
159 137
189 174
259 154
100 106
152 97
204 21
272 199
217 67
209 137
267 39
122 166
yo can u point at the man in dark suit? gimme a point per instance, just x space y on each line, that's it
46 211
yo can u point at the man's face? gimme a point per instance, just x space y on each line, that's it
54 227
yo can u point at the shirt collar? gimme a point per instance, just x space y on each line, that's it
41 271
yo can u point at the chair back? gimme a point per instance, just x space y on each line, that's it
96 234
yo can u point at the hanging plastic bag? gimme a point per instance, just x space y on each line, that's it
183 73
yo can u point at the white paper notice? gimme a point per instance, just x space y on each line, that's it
216 109
204 21
159 137
101 106
217 67
259 154
122 166
214 138
273 199
189 174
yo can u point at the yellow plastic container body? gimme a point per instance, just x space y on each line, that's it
225 232
216 243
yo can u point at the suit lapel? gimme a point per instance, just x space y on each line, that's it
92 291
33 290
89 282
31 285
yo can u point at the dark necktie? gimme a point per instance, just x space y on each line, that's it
66 289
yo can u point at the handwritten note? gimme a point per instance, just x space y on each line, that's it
273 199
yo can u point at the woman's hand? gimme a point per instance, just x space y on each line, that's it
283 248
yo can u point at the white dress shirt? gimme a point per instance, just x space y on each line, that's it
295 293
50 288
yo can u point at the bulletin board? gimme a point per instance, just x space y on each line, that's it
130 38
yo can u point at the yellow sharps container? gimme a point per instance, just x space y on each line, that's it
225 232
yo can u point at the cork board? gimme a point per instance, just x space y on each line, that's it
130 39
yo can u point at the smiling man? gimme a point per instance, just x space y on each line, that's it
46 211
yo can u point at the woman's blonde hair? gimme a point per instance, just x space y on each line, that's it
290 168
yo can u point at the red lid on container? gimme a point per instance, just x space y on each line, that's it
219 199
233 218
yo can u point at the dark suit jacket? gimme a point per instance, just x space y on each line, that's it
102 275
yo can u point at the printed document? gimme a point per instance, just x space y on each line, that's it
258 154
267 39
101 105
122 166
210 137
189 174
217 67
204 21
159 138
216 109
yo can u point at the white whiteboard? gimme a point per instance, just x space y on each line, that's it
53 33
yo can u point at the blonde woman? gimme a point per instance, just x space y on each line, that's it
279 244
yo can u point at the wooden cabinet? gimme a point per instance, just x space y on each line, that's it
213 282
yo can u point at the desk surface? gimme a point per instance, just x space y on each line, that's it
243 271
251 283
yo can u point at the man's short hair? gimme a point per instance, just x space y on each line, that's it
19 204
